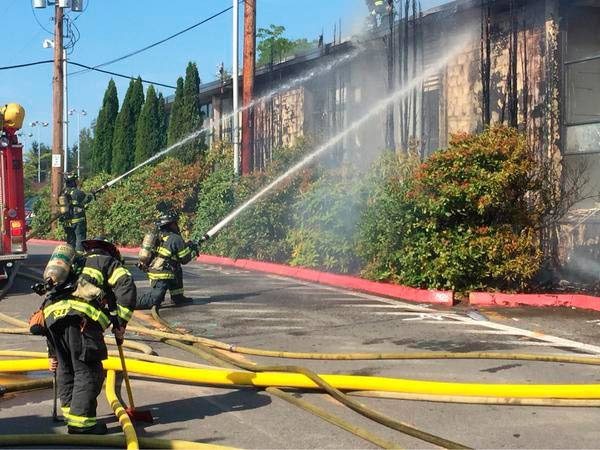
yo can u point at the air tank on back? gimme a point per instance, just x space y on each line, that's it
58 268
147 248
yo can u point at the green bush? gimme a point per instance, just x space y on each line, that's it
461 222
325 219
261 231
124 211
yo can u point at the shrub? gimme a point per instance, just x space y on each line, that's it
124 211
261 231
325 218
462 222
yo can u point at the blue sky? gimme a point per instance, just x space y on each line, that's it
110 28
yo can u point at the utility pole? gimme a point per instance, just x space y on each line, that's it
248 89
66 116
236 91
57 109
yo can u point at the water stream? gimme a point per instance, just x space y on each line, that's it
378 108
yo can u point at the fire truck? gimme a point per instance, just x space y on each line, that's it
13 247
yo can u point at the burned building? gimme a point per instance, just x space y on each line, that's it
532 64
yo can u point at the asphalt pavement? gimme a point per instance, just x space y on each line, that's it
271 312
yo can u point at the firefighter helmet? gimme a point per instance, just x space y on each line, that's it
166 219
70 179
101 243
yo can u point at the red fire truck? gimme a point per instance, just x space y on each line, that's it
13 247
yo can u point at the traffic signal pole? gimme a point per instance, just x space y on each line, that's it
57 110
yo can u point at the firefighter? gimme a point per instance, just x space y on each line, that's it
73 201
164 270
379 9
98 292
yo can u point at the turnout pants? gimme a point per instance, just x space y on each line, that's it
79 347
76 234
159 290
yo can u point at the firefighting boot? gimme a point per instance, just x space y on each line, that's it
180 300
99 428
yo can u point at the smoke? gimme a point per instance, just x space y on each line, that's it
379 107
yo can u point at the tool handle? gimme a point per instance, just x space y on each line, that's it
126 377
55 397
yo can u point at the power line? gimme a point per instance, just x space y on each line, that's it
18 66
120 75
49 61
155 44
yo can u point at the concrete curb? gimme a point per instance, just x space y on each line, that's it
445 298
130 250
537 300
390 290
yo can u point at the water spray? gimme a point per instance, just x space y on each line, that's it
194 135
379 108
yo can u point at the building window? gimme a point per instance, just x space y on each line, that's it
582 71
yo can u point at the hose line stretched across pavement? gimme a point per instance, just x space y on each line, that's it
74 440
216 357
335 393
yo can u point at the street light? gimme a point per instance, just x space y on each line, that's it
79 113
39 124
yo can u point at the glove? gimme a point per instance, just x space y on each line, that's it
193 246
142 267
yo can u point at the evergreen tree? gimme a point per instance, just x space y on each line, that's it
176 118
101 153
192 120
125 129
148 138
163 120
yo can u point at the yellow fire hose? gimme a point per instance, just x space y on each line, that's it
73 440
110 340
224 377
216 357
133 355
29 385
332 391
591 360
128 429
508 401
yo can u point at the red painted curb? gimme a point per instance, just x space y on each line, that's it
344 281
513 300
51 242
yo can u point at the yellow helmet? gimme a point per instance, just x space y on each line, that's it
12 116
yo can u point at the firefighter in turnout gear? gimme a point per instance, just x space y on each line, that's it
72 202
97 292
379 9
164 269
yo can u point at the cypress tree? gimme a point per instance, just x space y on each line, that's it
148 138
191 112
125 128
176 117
101 154
163 120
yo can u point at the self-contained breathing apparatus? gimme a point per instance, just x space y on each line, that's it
62 277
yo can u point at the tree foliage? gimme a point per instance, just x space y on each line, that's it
101 154
148 129
163 120
125 128
175 130
192 120
273 46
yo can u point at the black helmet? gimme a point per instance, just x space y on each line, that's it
101 243
166 218
70 178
